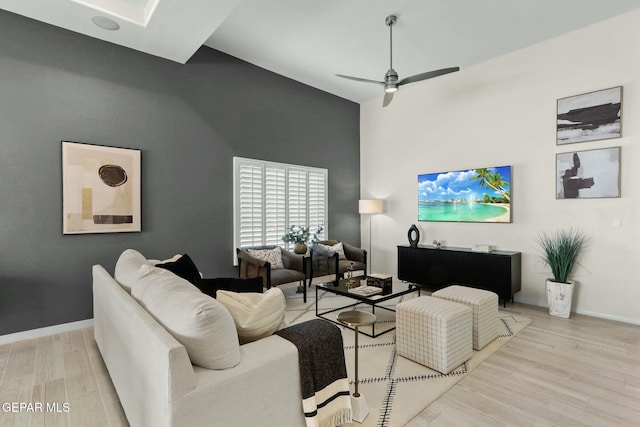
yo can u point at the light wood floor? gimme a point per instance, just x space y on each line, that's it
581 371
61 368
557 372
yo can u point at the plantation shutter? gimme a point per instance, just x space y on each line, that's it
251 206
297 196
317 199
269 197
275 205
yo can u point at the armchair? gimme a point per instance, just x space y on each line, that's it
294 267
352 254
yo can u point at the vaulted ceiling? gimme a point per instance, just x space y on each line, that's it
311 41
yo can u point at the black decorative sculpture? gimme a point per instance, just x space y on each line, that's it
414 236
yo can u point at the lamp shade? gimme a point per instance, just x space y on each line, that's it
370 206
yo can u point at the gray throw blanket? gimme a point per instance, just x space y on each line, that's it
323 374
323 261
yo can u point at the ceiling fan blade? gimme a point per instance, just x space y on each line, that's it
388 96
358 79
427 75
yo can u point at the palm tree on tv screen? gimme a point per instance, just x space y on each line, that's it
493 180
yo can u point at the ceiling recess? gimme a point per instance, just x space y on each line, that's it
105 23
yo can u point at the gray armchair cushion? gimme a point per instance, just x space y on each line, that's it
285 275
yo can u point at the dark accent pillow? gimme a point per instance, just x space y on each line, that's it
183 267
211 286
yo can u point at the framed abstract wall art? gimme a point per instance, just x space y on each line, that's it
588 174
100 189
472 195
589 117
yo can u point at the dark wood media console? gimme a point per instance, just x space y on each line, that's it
435 268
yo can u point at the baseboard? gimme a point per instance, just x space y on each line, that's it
43 332
610 317
543 303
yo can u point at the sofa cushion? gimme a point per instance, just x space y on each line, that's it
182 266
197 321
272 256
255 315
127 268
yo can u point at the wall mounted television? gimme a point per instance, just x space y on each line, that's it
472 195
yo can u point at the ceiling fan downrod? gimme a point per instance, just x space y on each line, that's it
390 21
391 77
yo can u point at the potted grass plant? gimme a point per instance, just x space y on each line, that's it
560 251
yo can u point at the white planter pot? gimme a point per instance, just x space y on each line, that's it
559 296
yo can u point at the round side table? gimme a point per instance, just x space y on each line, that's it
356 319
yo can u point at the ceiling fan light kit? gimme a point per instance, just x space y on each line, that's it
391 81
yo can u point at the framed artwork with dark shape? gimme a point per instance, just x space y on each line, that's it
588 174
100 189
589 117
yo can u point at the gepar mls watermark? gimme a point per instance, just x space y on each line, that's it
35 407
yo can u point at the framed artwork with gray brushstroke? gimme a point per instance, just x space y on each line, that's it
100 189
588 174
590 116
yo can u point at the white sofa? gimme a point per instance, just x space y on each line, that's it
158 385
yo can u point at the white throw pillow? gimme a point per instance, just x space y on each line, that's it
272 256
127 267
338 247
197 321
255 315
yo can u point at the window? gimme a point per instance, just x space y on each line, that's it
269 197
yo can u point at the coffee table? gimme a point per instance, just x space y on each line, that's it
374 301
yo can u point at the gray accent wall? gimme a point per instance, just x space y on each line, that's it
188 120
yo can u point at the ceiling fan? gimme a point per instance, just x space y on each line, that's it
391 82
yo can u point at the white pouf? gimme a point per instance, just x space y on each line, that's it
485 311
434 332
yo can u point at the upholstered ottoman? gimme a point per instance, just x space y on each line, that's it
485 311
434 332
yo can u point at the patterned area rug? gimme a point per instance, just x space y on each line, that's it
396 389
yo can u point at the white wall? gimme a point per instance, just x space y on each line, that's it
502 112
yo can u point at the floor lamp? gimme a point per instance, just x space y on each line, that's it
370 207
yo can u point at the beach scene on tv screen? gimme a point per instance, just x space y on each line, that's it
472 195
